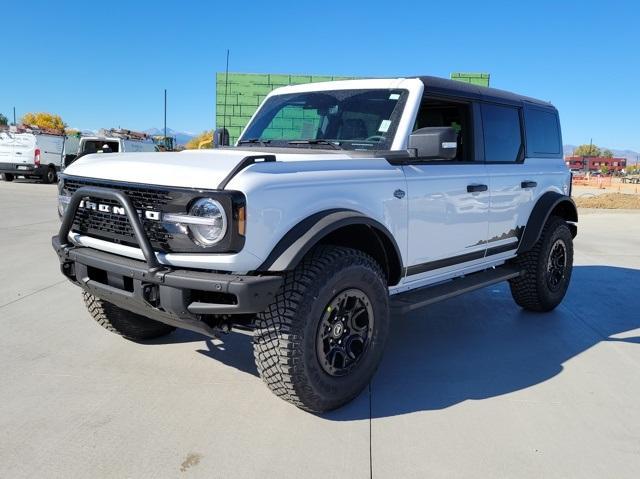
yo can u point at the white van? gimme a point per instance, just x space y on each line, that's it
30 153
113 141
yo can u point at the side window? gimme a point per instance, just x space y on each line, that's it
543 133
443 113
502 135
293 122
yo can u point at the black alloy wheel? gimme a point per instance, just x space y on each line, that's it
344 332
556 265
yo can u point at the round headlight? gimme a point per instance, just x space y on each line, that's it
213 224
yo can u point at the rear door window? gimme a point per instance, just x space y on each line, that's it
502 133
543 133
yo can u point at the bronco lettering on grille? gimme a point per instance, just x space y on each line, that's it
118 210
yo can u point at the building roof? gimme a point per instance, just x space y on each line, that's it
476 92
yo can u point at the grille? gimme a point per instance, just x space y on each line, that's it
116 228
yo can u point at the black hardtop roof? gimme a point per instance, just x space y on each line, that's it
477 92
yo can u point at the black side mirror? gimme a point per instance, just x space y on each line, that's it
435 142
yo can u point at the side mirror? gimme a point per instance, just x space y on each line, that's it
435 142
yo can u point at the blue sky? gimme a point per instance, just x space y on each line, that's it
106 64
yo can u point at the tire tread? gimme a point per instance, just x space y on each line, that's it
279 334
125 323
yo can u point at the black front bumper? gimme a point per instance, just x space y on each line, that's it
20 169
195 300
183 298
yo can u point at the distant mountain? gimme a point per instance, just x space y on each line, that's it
181 136
630 155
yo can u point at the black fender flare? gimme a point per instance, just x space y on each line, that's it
549 202
300 239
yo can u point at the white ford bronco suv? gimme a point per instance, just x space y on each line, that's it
342 205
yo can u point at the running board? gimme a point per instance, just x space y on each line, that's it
418 298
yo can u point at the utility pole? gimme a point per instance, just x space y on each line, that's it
165 113
14 115
226 95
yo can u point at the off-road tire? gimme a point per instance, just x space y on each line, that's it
50 176
7 176
531 291
285 339
126 324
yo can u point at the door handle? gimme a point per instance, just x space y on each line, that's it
476 188
528 184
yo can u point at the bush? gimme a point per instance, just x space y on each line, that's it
44 120
194 143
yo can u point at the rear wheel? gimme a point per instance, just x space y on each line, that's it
7 176
547 269
125 323
50 176
321 340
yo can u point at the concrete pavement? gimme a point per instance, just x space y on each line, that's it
471 387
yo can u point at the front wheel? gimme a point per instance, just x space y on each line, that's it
125 323
547 269
321 340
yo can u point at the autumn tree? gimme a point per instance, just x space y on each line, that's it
44 120
194 143
3 120
587 150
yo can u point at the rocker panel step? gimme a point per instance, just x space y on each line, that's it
418 298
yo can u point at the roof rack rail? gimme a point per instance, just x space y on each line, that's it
36 130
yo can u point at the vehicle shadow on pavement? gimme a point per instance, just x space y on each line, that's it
234 350
483 345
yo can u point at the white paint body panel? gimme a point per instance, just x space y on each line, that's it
444 219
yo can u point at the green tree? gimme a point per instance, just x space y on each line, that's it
606 153
587 150
3 120
44 120
604 169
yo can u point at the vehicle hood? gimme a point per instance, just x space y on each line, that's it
189 168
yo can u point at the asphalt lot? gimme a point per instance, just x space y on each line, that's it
471 387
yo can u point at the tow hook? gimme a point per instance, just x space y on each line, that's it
151 294
68 269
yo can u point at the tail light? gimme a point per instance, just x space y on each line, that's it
36 157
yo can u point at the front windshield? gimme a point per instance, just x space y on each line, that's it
346 119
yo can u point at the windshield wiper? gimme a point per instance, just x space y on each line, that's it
317 141
254 141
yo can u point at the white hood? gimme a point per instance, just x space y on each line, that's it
189 168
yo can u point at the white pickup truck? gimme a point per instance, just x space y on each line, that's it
343 205
112 141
